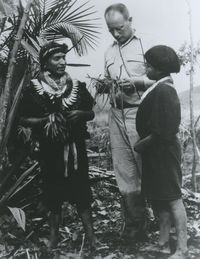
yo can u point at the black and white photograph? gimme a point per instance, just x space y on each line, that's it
99 129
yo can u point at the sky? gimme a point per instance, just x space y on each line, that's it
156 22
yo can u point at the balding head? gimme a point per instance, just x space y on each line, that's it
120 8
119 22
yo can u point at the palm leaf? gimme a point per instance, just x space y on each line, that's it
12 113
80 15
71 22
58 9
74 12
5 198
20 157
55 20
67 30
33 52
19 215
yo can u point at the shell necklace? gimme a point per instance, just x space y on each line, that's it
55 90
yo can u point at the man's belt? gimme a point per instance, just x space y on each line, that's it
126 105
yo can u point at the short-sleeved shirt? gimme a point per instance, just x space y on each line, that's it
123 62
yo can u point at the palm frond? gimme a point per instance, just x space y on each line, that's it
67 30
69 13
33 53
55 20
71 22
44 5
78 15
5 198
66 11
56 10
12 114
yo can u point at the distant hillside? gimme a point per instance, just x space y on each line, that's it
103 105
185 106
184 98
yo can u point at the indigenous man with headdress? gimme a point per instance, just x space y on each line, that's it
57 109
124 64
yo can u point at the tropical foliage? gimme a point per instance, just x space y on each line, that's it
51 20
72 20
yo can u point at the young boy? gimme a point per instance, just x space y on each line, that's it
157 123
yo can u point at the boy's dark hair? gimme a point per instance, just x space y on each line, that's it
163 58
121 8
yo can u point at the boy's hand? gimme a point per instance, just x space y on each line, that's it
128 83
75 116
132 84
138 147
142 144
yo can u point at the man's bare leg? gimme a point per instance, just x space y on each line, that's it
54 222
86 218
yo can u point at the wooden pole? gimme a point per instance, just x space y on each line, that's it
192 126
6 94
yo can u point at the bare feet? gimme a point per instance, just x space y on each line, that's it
54 230
179 255
165 249
96 245
53 240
